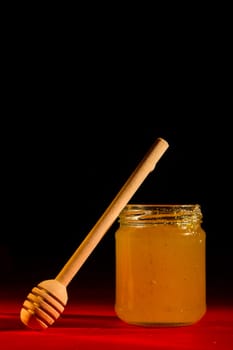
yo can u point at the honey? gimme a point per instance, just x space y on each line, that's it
160 265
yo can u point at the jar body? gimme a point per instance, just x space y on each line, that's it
160 266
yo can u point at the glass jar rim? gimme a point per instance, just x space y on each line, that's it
159 213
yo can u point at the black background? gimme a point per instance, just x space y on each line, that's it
78 116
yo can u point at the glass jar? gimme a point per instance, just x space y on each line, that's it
160 265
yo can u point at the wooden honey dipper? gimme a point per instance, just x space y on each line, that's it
48 299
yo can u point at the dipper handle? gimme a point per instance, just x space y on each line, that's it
112 212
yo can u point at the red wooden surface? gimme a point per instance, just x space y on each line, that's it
90 323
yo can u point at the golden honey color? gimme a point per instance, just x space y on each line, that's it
160 266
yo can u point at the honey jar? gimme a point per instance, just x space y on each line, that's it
160 265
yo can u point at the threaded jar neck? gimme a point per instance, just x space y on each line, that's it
153 214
